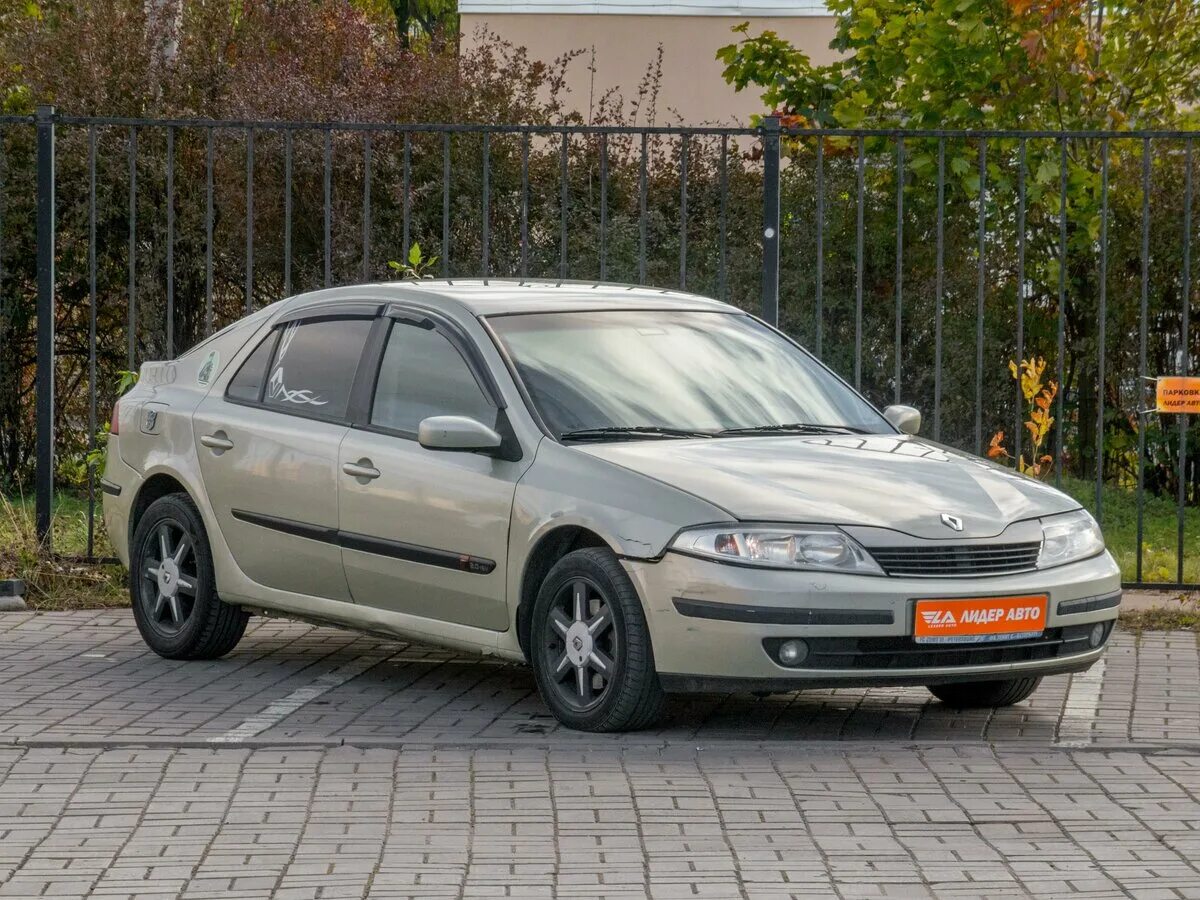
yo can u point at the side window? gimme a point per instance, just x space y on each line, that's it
314 365
247 383
422 375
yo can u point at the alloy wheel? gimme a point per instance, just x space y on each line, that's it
169 576
582 647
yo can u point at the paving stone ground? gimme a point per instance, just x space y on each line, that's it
319 763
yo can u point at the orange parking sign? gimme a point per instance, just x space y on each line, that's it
1175 394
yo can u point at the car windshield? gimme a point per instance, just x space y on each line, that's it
608 375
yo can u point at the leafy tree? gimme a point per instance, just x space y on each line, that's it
418 21
1009 64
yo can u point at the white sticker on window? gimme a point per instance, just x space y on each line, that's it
276 389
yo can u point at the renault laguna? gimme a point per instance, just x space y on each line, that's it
633 491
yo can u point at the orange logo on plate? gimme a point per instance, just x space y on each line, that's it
980 616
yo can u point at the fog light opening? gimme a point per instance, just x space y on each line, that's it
793 652
1096 638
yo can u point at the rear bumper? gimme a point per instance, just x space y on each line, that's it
120 486
715 627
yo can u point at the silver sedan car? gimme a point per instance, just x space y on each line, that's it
633 491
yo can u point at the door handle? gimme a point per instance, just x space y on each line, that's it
218 442
362 470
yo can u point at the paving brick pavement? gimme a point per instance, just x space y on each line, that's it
318 763
87 676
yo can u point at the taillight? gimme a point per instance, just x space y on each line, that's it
114 424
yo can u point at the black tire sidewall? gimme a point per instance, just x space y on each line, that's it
183 643
632 669
986 694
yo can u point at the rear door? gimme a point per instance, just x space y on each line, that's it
268 447
425 532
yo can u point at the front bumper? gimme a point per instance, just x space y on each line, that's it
713 625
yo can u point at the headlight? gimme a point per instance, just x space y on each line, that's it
819 547
1068 538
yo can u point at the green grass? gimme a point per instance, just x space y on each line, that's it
60 583
1119 523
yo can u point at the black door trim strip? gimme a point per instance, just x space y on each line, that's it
365 543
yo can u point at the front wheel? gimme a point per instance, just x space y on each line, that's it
590 646
975 694
172 586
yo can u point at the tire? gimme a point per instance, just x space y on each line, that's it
176 607
974 694
603 635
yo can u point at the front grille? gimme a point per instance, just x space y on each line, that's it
902 652
943 560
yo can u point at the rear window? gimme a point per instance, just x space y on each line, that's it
314 366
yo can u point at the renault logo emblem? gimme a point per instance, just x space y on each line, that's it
952 521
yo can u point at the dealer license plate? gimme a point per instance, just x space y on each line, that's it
975 619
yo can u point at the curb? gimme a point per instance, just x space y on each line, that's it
12 592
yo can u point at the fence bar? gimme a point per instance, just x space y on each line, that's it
980 285
405 238
604 207
563 201
91 517
1018 426
819 291
860 172
132 326
722 221
899 260
525 206
446 205
642 210
939 290
45 323
366 216
1184 348
327 169
1062 309
683 211
1101 339
663 130
1143 324
170 242
487 232
287 212
208 231
770 244
249 220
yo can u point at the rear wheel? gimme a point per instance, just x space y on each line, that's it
175 602
972 694
591 648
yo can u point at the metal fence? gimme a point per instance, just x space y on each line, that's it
916 263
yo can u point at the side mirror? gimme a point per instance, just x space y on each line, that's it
904 418
460 433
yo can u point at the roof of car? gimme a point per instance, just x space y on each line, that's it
500 296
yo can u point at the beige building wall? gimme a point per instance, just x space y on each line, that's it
692 90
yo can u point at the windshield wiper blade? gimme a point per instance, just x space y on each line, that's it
794 428
630 432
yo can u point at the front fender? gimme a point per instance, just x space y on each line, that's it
634 514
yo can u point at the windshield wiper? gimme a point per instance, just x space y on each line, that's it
630 432
795 428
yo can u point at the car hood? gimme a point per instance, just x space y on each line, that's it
885 481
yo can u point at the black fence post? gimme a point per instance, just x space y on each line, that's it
770 244
45 323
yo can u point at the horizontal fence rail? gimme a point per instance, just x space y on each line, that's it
916 263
